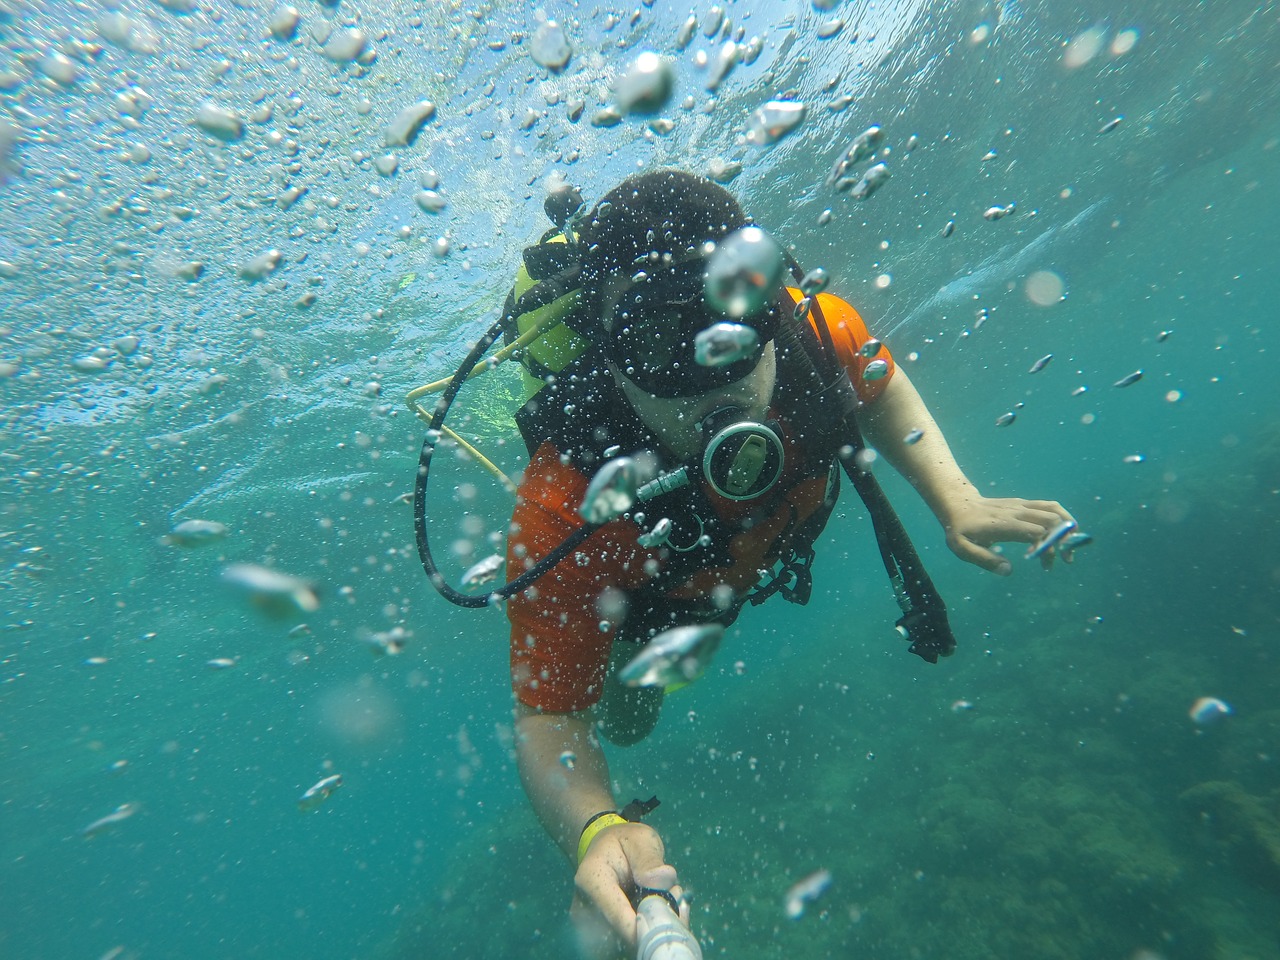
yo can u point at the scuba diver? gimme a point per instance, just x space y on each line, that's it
721 472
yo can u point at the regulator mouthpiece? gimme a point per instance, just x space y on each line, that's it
743 458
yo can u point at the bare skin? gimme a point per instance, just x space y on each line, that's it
675 421
973 523
620 858
623 856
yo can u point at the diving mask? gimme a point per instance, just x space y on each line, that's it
653 329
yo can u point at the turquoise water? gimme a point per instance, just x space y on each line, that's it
1074 810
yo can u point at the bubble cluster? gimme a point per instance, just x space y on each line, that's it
744 273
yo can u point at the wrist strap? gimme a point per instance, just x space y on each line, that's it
639 893
593 826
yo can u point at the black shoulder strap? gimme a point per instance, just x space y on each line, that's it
556 270
924 614
545 291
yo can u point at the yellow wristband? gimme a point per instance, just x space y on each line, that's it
593 827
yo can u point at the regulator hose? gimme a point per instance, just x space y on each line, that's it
526 579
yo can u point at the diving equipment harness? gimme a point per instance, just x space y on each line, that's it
741 460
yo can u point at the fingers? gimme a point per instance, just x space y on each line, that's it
659 878
1000 529
600 891
989 521
1042 520
1029 531
620 858
1005 520
1055 516
1036 511
971 552
1050 506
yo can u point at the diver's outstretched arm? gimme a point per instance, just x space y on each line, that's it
566 778
973 523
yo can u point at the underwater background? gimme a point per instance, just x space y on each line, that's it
1043 793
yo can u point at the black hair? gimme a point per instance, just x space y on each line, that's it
654 213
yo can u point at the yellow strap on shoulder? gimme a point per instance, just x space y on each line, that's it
593 827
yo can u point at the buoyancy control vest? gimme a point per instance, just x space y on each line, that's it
577 412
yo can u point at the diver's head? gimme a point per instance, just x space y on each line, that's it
652 217
644 250
700 380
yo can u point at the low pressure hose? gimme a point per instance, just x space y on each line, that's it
424 472
526 579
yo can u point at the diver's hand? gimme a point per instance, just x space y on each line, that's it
974 524
620 859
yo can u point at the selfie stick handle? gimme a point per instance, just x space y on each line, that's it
662 936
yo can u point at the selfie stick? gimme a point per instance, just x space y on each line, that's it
662 936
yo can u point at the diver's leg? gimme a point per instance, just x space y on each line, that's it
626 714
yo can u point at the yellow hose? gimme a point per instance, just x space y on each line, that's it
505 353
481 459
526 338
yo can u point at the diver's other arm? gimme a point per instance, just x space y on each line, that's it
564 772
973 523
566 778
